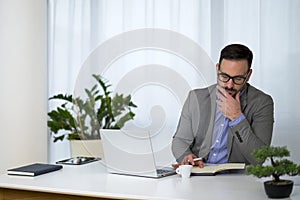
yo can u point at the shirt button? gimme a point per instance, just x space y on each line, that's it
217 141
222 124
214 154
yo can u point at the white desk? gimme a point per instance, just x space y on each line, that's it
91 180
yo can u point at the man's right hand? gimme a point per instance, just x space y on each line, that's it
189 160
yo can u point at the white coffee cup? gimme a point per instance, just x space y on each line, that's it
184 170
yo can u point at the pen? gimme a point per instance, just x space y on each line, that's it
195 159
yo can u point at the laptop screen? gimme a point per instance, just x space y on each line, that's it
128 152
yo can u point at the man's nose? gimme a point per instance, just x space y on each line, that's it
230 83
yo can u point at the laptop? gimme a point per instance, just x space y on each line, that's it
130 152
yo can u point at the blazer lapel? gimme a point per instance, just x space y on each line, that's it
244 98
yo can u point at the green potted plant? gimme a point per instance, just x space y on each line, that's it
272 162
80 119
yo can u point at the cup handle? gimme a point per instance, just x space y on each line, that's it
177 170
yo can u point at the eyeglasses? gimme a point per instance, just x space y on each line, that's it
238 80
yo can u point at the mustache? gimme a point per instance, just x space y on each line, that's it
230 89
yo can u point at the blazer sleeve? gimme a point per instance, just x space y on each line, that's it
183 137
254 131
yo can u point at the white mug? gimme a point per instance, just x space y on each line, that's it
184 170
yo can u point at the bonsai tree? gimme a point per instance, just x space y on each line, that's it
78 118
273 162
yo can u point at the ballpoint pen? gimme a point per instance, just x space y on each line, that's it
195 159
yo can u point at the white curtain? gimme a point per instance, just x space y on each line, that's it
161 75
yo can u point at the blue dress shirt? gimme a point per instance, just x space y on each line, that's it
218 150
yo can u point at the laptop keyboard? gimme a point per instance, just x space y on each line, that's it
162 171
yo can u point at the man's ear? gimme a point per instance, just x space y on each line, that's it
249 74
217 67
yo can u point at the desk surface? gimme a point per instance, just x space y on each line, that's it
93 180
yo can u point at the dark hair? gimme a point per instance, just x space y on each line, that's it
236 52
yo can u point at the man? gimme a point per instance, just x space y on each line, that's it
225 122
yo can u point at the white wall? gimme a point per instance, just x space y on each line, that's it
23 82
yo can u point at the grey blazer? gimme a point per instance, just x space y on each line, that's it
195 127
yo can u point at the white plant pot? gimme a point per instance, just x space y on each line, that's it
86 148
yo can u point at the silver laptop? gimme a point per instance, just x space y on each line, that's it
130 153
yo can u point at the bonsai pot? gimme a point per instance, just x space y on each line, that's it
278 189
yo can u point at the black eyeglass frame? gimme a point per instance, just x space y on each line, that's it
233 78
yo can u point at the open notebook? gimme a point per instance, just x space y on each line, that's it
213 169
130 153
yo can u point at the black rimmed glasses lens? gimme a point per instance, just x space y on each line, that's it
238 80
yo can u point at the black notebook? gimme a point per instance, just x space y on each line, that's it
34 169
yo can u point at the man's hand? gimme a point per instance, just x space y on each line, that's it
229 106
189 160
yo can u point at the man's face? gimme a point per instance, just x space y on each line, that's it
233 68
